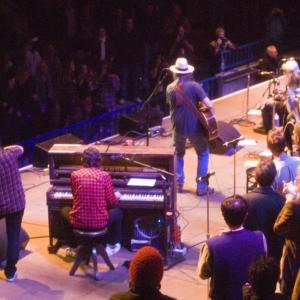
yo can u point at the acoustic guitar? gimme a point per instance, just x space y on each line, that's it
208 120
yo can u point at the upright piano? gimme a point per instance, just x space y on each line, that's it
143 175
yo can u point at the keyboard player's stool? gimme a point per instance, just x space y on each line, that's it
90 244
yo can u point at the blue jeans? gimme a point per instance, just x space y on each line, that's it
13 228
201 147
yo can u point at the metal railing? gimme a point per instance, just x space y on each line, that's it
242 55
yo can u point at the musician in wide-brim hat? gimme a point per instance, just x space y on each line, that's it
186 124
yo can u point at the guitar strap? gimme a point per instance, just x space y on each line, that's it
186 100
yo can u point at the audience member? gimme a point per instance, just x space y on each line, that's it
226 258
295 140
276 25
174 20
286 165
145 274
130 61
32 57
47 99
9 111
95 204
104 48
288 225
217 48
292 72
263 277
296 289
264 205
182 46
27 102
54 64
107 86
12 204
69 102
151 31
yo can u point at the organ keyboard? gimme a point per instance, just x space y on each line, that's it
123 163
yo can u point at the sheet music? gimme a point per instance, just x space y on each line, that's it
141 182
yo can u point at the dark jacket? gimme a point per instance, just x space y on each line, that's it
288 225
231 254
264 206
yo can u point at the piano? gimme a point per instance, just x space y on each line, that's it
143 175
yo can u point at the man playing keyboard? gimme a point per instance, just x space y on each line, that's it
95 203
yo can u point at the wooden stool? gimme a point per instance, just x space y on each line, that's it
90 245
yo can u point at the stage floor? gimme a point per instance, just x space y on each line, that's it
45 276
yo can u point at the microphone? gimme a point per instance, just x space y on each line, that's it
266 73
206 177
234 141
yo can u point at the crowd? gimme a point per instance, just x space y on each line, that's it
66 61
97 61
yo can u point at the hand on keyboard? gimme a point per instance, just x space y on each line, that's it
118 195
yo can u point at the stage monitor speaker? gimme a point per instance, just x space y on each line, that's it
40 156
138 121
227 132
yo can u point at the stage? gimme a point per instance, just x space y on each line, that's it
45 276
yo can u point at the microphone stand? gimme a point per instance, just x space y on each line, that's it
146 104
244 121
205 179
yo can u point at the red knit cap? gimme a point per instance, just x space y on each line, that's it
146 268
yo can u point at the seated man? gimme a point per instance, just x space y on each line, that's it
285 110
263 277
264 205
286 165
95 203
269 64
226 258
145 274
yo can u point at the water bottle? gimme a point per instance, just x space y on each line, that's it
276 121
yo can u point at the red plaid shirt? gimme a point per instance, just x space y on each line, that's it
93 195
12 197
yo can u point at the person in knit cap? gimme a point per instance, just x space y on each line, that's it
145 275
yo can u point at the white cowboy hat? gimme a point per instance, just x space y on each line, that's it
182 67
290 66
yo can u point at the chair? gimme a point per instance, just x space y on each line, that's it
90 244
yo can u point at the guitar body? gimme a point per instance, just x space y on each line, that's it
208 120
204 114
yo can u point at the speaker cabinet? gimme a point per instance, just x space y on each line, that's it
40 156
227 133
138 121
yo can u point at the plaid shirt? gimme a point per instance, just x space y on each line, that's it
93 195
12 196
